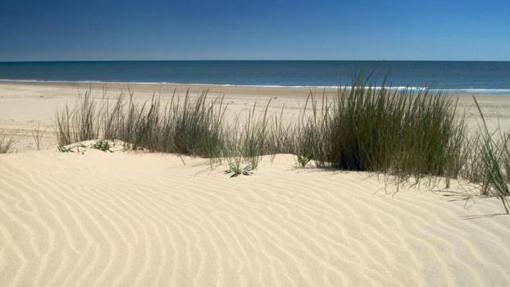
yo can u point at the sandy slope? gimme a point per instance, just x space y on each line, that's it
127 219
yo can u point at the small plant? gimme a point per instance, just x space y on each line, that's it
237 170
102 145
6 144
302 161
37 134
62 148
234 168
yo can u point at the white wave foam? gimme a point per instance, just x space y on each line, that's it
403 88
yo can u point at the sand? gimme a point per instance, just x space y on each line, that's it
28 106
140 219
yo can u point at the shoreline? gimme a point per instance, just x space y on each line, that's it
446 91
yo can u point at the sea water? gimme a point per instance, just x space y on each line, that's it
473 77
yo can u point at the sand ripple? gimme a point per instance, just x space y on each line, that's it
146 220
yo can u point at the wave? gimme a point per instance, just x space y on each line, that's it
469 90
169 83
480 91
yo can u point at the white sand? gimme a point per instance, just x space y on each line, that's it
132 219
26 106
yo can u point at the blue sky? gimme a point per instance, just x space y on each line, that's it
256 29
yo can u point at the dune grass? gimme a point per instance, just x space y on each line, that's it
37 135
494 162
6 144
187 127
399 132
404 133
363 128
78 123
190 127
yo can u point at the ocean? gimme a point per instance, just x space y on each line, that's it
476 77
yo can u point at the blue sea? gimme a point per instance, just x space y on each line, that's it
476 77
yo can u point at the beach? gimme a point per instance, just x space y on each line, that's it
26 106
153 219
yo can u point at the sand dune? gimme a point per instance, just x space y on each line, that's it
133 219
126 219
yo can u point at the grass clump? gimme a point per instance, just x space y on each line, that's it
253 139
302 160
191 126
494 161
63 149
79 123
102 145
379 129
6 144
311 132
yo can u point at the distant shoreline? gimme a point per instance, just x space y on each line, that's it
93 82
467 91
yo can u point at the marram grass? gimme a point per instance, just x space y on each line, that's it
494 157
5 144
407 134
385 130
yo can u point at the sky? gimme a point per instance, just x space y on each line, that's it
37 30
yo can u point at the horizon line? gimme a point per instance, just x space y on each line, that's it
242 60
